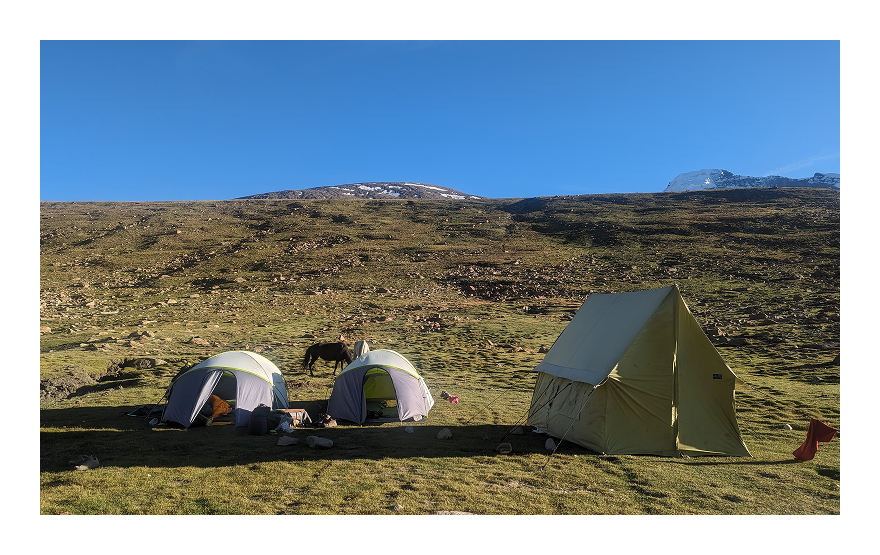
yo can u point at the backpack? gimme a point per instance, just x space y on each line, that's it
258 424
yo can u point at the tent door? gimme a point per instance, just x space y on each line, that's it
379 393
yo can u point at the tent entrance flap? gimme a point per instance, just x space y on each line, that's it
226 387
378 385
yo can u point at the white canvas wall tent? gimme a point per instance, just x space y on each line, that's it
246 378
379 381
633 373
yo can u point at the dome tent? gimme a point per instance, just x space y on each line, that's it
380 377
248 378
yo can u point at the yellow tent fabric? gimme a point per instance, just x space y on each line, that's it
633 373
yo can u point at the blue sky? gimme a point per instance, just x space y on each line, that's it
194 120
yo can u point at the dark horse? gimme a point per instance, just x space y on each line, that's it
334 352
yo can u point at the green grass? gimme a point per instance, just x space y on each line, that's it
466 290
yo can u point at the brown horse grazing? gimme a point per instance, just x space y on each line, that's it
334 352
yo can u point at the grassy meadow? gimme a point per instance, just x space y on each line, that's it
469 291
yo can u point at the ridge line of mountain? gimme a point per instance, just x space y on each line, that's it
700 180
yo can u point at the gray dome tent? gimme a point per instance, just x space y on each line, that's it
380 377
248 378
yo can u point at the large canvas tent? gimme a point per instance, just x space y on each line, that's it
247 378
380 378
633 373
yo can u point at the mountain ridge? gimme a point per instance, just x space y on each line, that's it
370 190
700 180
706 179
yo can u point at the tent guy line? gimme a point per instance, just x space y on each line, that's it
558 443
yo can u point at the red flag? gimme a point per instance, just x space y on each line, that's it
819 431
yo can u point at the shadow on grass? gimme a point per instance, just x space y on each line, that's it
124 441
118 440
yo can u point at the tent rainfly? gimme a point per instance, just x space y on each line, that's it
247 378
633 373
380 380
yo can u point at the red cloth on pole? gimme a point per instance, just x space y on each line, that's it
819 431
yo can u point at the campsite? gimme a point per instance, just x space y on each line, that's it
473 294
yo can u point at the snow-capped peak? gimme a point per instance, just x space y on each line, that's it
723 179
694 181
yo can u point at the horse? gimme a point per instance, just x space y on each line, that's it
334 352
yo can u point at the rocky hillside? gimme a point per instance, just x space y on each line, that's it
760 265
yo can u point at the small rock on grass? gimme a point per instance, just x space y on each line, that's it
319 442
549 444
408 429
445 433
287 440
504 448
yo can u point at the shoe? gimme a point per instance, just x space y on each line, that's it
89 463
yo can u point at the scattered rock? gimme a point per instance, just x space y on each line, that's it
319 442
445 433
816 380
408 429
76 382
287 440
543 349
730 341
45 329
504 448
549 444
397 507
451 513
199 341
786 427
240 280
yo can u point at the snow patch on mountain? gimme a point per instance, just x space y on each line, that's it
371 190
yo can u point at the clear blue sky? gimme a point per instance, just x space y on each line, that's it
191 120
